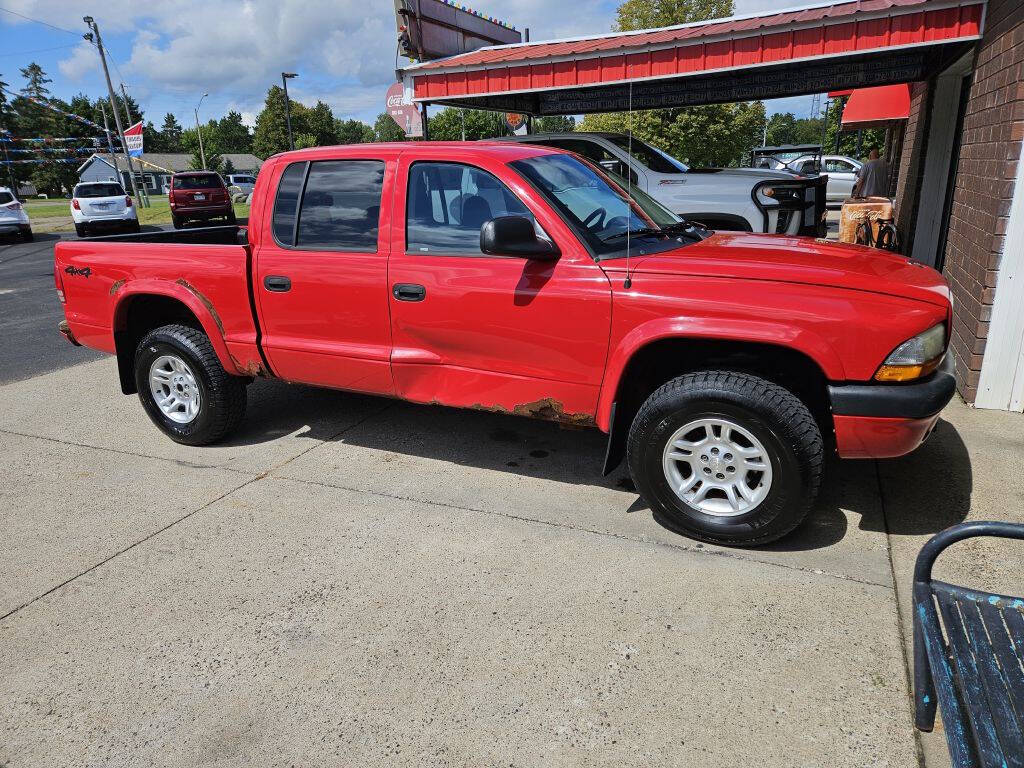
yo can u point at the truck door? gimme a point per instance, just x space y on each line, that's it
320 274
494 332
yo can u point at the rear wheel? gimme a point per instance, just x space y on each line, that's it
232 219
726 457
183 387
80 230
134 227
26 234
177 221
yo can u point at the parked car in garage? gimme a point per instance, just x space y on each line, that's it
510 278
745 199
13 216
199 196
840 169
99 205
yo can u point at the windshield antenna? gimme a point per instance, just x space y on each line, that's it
628 283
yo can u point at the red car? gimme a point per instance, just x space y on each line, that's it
199 196
518 279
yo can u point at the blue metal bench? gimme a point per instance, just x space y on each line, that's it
972 663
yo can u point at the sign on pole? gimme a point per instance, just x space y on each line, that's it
402 112
133 138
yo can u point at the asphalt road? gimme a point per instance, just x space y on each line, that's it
29 311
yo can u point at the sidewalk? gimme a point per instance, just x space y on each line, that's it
359 581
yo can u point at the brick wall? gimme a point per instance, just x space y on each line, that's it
911 162
990 149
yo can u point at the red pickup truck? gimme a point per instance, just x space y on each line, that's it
519 279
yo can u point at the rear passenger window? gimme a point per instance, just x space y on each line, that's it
341 205
448 203
286 204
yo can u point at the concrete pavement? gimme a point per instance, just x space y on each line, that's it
353 580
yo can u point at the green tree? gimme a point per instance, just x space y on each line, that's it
848 142
170 134
320 122
229 167
271 134
646 14
230 134
35 82
555 124
787 128
386 129
353 132
448 124
214 162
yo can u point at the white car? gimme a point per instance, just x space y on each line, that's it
102 205
841 171
746 199
13 216
244 181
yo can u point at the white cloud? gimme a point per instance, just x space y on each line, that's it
84 60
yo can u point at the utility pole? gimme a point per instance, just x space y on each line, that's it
110 144
199 131
98 41
285 77
131 164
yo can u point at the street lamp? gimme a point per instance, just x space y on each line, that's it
199 131
285 77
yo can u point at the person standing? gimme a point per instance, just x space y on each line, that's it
873 177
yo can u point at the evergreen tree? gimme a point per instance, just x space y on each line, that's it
170 134
35 82
271 134
230 134
320 123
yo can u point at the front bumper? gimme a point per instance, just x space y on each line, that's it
880 421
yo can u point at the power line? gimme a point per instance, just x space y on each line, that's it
37 21
37 50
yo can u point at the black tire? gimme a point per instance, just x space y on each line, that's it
177 221
780 422
26 235
80 230
134 227
232 219
222 396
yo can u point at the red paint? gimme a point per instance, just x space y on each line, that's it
504 333
861 437
828 31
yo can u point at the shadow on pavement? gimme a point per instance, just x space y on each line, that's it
922 493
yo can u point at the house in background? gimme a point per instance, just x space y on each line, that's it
156 168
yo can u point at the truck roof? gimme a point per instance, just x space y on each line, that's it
506 151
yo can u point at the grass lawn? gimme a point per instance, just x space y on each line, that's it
55 215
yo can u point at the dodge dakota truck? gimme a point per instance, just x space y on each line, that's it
724 367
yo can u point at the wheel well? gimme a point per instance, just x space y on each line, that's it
663 360
142 314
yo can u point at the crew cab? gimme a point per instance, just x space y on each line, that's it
199 196
519 279
743 199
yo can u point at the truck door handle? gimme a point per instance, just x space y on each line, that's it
277 283
409 292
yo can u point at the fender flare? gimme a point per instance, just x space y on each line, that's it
770 332
183 291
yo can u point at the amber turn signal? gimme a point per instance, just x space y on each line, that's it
897 373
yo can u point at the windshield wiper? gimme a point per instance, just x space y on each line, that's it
633 233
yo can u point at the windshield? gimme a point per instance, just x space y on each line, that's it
206 181
652 157
98 190
597 210
657 212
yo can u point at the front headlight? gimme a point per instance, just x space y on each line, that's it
916 357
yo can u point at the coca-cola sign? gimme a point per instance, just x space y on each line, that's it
406 115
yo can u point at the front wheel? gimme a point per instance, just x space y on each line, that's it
183 387
726 457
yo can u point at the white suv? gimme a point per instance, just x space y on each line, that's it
747 199
96 204
13 216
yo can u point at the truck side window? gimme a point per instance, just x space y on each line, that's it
285 205
449 202
340 207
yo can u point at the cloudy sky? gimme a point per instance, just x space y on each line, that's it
170 52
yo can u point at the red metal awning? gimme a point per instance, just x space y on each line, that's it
873 107
845 44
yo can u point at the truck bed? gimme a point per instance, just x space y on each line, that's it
194 276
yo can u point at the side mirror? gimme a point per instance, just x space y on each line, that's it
515 236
